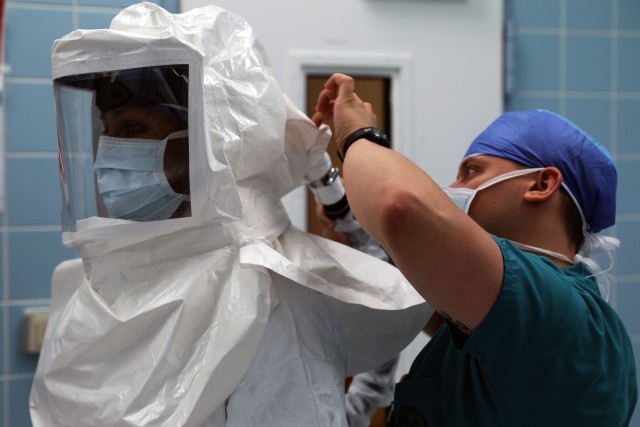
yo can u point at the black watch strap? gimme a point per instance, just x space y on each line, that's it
372 134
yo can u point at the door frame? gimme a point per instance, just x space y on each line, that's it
397 66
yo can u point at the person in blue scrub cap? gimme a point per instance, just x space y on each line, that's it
505 255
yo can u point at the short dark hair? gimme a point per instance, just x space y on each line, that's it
573 221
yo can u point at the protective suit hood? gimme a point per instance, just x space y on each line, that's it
237 150
161 319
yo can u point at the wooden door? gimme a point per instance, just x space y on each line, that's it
376 91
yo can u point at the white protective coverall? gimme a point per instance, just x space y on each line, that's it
229 316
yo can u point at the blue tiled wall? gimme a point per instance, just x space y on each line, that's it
30 225
581 58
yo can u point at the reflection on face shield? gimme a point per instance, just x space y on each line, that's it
131 178
165 88
135 129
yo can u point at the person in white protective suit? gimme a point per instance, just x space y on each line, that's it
195 301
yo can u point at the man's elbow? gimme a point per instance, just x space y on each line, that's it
398 213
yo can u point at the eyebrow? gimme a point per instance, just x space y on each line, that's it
479 160
465 163
116 112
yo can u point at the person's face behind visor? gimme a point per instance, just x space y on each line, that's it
123 141
142 157
142 122
142 163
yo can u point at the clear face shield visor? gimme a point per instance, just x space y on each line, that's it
123 144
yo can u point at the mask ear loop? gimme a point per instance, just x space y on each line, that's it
505 176
593 244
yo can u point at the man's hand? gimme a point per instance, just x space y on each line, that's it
339 102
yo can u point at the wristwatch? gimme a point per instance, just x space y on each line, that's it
372 134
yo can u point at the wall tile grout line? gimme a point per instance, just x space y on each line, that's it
562 60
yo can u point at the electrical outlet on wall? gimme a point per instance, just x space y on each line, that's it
35 322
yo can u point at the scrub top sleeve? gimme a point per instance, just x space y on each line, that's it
537 307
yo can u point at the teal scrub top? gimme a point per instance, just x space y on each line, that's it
551 352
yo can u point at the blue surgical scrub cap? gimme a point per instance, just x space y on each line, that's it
541 138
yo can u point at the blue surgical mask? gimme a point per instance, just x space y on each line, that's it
131 178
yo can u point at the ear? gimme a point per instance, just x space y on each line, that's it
545 184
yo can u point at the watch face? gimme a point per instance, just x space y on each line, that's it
380 137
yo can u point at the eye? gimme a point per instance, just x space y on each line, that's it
467 172
132 128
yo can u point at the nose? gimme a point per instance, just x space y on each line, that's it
456 184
